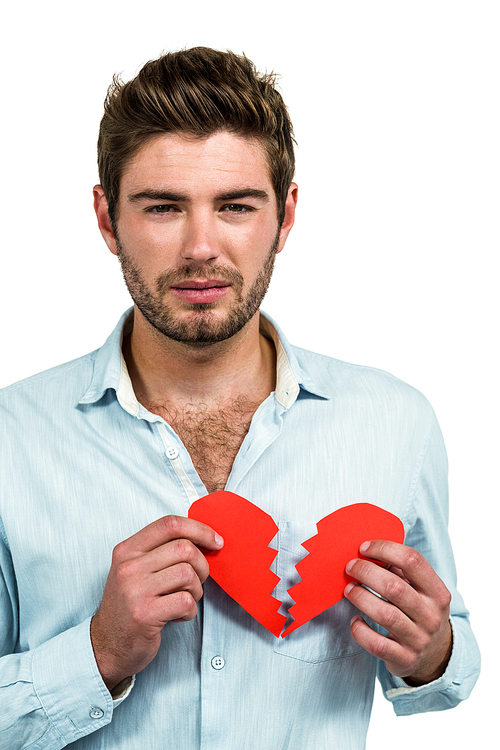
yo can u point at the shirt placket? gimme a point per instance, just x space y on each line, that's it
220 659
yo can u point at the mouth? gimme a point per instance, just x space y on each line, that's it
196 291
201 284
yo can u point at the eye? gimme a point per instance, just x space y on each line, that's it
237 208
164 208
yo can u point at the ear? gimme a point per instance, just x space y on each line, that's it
103 221
288 222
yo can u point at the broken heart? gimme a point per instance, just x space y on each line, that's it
241 567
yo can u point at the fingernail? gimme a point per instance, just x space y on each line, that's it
219 541
349 588
363 548
349 566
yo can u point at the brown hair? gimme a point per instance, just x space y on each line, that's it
198 91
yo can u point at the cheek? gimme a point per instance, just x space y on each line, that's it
151 247
250 245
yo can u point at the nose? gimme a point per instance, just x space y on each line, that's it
200 242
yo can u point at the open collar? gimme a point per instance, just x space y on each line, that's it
110 369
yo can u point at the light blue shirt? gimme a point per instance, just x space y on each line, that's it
84 466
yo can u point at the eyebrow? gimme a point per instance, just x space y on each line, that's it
245 193
155 195
165 195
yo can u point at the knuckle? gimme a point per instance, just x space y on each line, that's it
395 588
414 559
204 570
420 642
172 526
433 623
379 648
391 617
119 553
186 573
445 598
125 571
184 549
186 604
139 614
362 567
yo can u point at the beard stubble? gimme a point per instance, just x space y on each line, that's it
202 328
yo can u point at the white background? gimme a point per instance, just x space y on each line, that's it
393 260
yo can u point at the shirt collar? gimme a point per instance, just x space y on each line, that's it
291 377
110 369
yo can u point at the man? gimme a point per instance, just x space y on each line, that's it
112 632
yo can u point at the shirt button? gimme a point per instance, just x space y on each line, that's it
218 662
172 453
96 713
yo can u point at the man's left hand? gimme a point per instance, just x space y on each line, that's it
415 609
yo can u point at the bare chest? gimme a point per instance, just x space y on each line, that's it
212 438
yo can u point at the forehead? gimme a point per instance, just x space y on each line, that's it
220 160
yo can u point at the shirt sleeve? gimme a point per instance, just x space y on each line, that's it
427 532
53 694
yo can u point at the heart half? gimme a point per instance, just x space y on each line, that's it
338 540
241 567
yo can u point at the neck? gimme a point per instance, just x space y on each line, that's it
164 371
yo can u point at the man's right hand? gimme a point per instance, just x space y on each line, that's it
156 577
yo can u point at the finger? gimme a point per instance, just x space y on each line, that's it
394 620
181 577
398 660
179 606
144 575
166 529
169 594
388 585
416 569
173 553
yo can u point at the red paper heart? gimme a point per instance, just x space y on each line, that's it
338 540
241 567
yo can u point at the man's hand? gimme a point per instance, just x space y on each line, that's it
156 577
416 612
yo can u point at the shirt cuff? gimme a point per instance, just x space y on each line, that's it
69 686
405 685
122 690
445 692
402 688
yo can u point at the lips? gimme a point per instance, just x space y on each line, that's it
195 291
200 284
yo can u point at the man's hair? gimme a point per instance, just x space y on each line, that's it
197 91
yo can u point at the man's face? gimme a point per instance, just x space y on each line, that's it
197 234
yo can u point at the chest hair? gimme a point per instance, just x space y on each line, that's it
212 435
